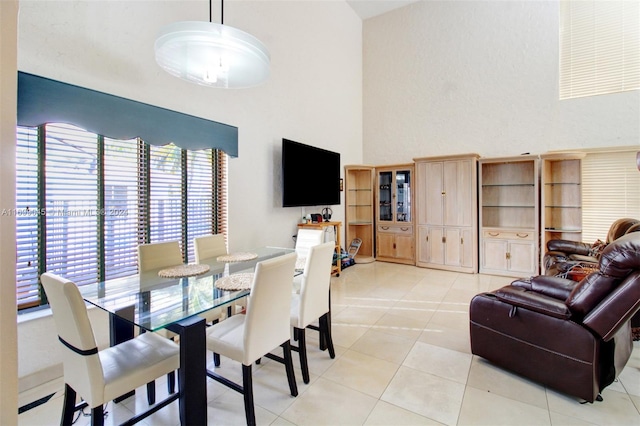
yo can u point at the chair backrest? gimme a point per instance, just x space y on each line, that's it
307 238
619 228
209 246
267 324
159 255
83 372
609 297
316 280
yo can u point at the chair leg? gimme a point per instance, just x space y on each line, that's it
151 392
216 359
302 351
171 382
288 363
97 416
325 330
247 390
69 405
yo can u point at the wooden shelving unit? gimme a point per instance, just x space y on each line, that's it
359 200
561 198
509 215
337 230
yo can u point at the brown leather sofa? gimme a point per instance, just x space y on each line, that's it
565 255
574 337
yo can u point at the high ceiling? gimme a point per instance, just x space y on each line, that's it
370 8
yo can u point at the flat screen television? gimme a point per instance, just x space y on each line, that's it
310 175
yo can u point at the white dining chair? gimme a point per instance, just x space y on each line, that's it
312 303
159 255
264 327
209 247
305 239
99 376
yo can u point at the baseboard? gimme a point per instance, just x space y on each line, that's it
40 377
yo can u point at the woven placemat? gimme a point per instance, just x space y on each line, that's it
236 257
241 281
183 271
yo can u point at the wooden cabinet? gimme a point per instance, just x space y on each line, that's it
509 215
359 213
337 257
447 212
561 198
394 214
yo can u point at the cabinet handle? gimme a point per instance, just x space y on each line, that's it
522 235
404 229
508 255
444 239
461 240
443 193
427 238
385 227
394 246
494 235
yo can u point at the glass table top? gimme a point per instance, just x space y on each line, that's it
155 302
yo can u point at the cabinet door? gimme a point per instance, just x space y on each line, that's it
522 257
423 245
457 190
467 248
404 247
385 196
433 194
402 196
386 242
435 246
494 254
452 246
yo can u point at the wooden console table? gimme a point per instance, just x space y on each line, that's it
337 267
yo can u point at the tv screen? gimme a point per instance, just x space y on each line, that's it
310 175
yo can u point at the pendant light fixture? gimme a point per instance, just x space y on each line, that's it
210 54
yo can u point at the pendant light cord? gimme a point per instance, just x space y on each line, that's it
221 12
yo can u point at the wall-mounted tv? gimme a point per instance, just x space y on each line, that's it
310 175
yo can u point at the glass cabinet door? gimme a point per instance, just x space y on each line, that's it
403 196
385 196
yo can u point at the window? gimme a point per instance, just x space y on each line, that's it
610 191
599 47
84 203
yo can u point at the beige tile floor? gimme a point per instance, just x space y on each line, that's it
402 358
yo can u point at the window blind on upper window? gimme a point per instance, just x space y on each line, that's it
610 191
599 47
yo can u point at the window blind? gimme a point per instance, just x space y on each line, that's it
165 171
199 197
84 203
610 191
121 203
71 202
599 47
27 217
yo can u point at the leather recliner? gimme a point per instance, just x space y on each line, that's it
563 255
574 337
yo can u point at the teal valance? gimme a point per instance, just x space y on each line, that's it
42 100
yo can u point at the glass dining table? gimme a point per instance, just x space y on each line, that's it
153 302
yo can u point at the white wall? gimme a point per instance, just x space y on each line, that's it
314 96
8 336
451 77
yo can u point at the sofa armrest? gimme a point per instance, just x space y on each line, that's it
569 247
555 287
519 297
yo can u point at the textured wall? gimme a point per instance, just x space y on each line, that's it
450 77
